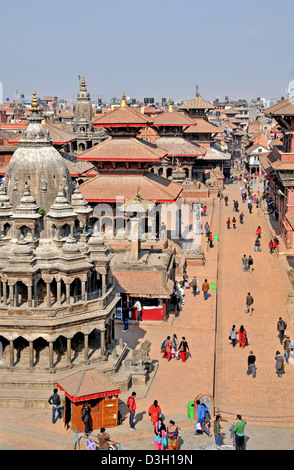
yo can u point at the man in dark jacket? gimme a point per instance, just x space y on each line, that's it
281 327
54 400
250 263
249 302
86 411
251 365
125 317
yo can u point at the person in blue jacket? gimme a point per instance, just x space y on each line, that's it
202 411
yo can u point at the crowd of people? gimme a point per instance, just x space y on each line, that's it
172 348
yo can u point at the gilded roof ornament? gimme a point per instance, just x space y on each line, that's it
171 107
123 103
35 103
83 83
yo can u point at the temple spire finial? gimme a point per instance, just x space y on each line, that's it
35 103
123 103
83 83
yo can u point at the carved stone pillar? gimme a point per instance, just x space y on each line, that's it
51 355
84 290
59 292
103 283
11 295
67 286
31 354
48 294
30 296
4 293
86 347
68 351
11 353
102 341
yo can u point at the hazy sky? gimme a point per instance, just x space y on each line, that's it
159 48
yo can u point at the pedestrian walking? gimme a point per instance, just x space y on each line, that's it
154 412
279 364
244 263
183 348
239 433
210 240
233 335
234 221
236 206
241 218
250 263
271 247
174 346
228 222
287 348
258 232
206 226
86 413
55 401
172 433
131 404
205 289
281 327
186 284
242 336
226 200
251 365
168 348
249 303
125 317
217 430
250 207
257 246
160 435
194 285
204 209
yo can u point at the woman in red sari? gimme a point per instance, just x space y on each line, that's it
242 336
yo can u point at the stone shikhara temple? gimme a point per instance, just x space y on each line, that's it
57 299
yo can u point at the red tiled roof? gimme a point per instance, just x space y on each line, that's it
123 149
203 127
87 384
178 146
107 187
57 135
283 108
173 118
122 117
144 283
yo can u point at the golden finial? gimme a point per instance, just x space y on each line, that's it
171 107
34 102
123 103
83 82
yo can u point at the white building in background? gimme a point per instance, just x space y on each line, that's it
291 89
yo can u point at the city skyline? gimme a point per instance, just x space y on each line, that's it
161 51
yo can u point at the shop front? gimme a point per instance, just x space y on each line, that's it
98 392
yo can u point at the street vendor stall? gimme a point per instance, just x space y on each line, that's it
89 386
150 284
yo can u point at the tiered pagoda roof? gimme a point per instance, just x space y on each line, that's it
123 149
107 187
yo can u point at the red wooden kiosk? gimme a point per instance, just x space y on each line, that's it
94 388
